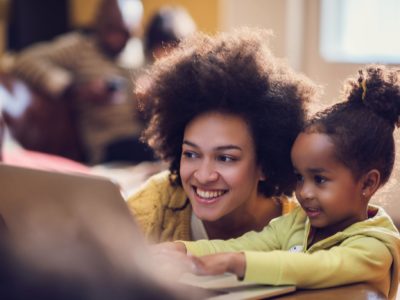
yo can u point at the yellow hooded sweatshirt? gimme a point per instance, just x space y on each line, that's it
366 251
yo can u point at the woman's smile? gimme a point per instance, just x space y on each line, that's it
208 196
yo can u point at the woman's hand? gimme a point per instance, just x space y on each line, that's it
169 246
220 263
171 259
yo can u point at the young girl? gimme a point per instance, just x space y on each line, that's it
340 159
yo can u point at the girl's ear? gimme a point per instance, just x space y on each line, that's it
370 183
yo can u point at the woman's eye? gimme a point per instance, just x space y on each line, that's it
189 154
319 179
226 158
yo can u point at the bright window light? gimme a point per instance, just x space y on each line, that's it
360 31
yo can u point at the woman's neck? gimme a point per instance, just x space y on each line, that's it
242 220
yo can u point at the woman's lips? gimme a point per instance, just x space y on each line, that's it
208 196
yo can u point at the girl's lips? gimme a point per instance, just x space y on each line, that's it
312 212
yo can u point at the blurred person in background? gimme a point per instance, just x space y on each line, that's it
167 27
92 71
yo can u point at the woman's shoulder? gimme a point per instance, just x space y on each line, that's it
158 189
152 203
288 203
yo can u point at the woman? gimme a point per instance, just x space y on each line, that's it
224 113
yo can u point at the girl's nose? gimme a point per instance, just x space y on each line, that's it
304 192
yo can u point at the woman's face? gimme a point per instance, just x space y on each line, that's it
218 166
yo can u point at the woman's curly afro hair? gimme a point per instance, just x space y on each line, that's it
233 73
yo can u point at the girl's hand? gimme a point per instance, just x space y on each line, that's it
220 263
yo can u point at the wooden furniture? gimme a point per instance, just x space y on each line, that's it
360 291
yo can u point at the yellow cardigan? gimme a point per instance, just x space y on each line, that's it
163 211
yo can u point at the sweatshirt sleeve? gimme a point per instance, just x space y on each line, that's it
48 65
355 260
266 240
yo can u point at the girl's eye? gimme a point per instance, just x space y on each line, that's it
189 154
299 178
226 158
319 179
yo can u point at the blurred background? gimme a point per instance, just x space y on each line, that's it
355 31
328 40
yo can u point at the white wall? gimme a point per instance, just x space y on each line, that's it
295 24
255 13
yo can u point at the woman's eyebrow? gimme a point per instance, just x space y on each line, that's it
186 142
219 148
228 147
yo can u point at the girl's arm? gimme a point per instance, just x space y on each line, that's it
273 237
361 260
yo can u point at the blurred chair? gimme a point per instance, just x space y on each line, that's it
38 123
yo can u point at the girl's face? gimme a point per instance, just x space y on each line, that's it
326 188
218 166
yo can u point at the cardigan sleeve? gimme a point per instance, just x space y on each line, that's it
161 210
146 207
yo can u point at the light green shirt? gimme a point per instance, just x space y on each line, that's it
366 251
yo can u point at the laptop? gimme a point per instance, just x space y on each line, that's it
54 212
228 287
74 222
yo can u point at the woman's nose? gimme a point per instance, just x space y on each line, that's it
206 172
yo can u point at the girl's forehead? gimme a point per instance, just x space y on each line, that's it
313 148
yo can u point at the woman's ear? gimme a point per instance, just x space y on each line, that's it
370 183
262 176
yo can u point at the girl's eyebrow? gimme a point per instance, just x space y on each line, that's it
317 170
219 148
